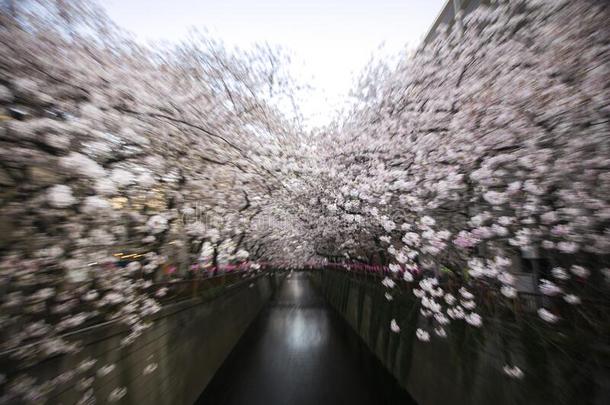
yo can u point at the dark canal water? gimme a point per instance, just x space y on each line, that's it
299 351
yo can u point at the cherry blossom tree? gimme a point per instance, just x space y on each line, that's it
122 165
483 152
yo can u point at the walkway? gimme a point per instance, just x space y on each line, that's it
300 352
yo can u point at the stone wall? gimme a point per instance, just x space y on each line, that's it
466 367
173 361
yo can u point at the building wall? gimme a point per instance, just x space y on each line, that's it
448 13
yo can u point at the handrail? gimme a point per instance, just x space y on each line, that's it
527 296
165 305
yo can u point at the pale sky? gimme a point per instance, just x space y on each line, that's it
330 40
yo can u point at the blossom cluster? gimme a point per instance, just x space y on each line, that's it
479 163
106 145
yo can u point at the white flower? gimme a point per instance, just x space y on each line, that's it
388 282
440 332
443 235
441 319
456 313
401 257
508 291
502 262
145 180
394 267
51 252
43 294
476 271
475 264
422 335
385 239
567 247
114 298
161 292
431 304
474 319
560 274
85 383
513 372
105 370
428 283
394 326
407 276
506 278
449 299
388 297
505 221
549 288
149 368
157 224
242 254
547 316
86 364
428 221
549 217
60 196
122 177
465 293
495 198
77 274
418 293
101 237
547 244
134 266
105 186
388 225
580 271
90 295
94 204
499 230
37 328
468 304
572 299
72 321
81 165
411 239
117 394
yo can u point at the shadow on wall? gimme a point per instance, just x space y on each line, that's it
467 366
173 360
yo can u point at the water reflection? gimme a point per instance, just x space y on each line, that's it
306 329
300 352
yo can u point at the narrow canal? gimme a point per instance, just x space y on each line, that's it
299 351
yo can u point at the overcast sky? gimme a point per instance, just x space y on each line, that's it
330 40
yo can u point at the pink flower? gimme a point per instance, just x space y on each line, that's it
466 240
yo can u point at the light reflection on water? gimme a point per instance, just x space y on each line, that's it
305 331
